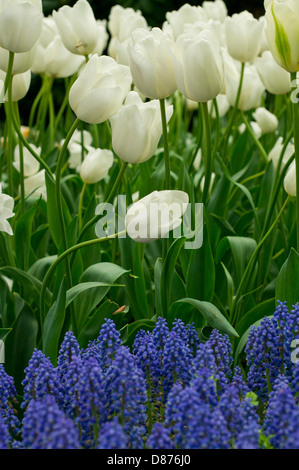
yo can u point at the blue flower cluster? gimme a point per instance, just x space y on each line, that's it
170 391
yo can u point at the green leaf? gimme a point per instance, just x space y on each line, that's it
258 312
242 249
200 280
157 279
4 332
168 270
211 313
92 327
41 266
22 237
129 331
287 287
53 324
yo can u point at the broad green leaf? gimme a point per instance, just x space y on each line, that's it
200 280
157 279
22 237
242 249
129 331
4 332
168 270
211 313
53 324
287 287
41 266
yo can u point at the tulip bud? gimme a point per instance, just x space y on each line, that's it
77 27
243 36
289 181
155 215
20 24
137 129
282 32
100 89
6 211
198 66
275 152
35 185
267 121
31 165
20 84
151 63
275 79
96 165
187 14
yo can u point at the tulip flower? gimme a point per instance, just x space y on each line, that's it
187 14
6 211
22 61
223 106
96 165
155 215
282 32
252 88
102 37
151 63
137 129
267 121
77 27
31 165
100 89
244 36
275 152
75 148
254 126
51 57
20 84
275 79
35 185
122 22
215 10
20 24
198 66
289 181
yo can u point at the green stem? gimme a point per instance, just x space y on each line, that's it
8 76
80 206
254 138
58 261
208 156
296 142
165 143
22 187
35 103
68 85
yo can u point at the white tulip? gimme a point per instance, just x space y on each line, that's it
282 18
252 88
254 126
264 45
22 60
275 79
267 121
20 84
187 14
20 24
198 65
137 129
100 89
289 181
151 63
31 165
275 152
96 165
223 106
243 36
77 27
215 10
35 185
102 37
6 211
155 215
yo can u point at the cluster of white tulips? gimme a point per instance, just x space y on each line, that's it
208 56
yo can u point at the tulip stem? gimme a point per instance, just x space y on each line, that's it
296 142
80 206
22 187
254 138
208 157
60 258
165 143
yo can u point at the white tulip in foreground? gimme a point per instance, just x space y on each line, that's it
155 215
20 24
100 89
267 121
31 165
6 212
198 66
151 63
289 181
137 128
20 84
282 18
275 79
77 27
96 165
244 36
